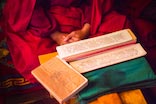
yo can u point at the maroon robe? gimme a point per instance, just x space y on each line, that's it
27 26
105 19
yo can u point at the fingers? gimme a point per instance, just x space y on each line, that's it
72 37
69 36
61 41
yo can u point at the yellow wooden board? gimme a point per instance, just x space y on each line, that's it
126 97
132 97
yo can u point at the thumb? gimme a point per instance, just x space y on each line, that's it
69 36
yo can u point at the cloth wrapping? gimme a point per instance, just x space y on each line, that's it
128 75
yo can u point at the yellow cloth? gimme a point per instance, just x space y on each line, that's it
46 57
3 52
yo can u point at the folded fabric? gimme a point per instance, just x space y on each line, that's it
128 75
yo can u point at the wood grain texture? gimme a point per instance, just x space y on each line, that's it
60 79
126 97
132 97
83 48
112 98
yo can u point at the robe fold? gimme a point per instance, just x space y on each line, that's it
105 19
28 24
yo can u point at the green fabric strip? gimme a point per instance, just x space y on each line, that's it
128 75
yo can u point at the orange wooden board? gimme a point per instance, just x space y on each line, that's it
112 98
126 97
132 97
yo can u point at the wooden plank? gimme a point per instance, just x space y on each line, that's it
132 97
112 98
83 48
60 79
126 97
108 58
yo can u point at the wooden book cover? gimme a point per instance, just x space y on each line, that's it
126 97
83 48
109 57
112 98
132 97
60 79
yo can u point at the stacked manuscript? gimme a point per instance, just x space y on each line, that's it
61 74
101 51
60 79
86 47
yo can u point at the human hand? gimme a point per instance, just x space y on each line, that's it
59 37
64 38
78 34
74 36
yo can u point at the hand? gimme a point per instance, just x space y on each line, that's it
78 34
59 37
74 36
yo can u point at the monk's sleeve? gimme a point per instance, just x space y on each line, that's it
22 16
24 45
99 9
17 14
86 7
41 23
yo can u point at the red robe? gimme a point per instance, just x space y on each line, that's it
105 19
27 27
